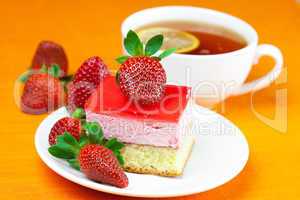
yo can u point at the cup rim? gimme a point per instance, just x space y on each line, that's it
249 44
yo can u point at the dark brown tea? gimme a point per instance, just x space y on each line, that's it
213 39
215 44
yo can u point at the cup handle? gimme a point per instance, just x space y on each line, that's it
263 50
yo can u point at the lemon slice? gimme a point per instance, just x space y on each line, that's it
184 42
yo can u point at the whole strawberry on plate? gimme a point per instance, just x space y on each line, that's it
49 53
99 159
100 164
141 76
71 125
43 91
85 80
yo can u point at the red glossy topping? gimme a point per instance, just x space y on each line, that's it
108 99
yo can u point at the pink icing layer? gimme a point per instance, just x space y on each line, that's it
154 133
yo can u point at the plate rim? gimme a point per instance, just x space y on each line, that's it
123 192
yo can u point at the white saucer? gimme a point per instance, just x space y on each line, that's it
219 154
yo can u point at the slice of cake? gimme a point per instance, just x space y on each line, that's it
156 136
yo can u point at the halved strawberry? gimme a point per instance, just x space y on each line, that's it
142 77
49 53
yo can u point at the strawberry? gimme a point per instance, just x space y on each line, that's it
86 79
99 159
71 125
141 77
99 163
93 70
78 94
42 93
49 53
66 124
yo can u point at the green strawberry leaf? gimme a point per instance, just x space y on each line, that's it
24 77
114 145
79 113
54 70
60 139
55 151
84 140
74 163
95 132
167 53
119 157
62 150
122 59
153 45
69 139
156 58
66 147
133 44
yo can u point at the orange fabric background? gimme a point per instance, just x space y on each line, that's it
89 28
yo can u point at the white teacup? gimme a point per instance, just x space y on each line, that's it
217 76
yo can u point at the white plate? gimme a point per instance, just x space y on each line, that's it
219 154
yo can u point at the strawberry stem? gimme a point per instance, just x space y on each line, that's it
122 59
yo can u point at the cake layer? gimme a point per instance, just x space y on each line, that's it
161 161
134 131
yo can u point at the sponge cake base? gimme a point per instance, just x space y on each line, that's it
162 161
